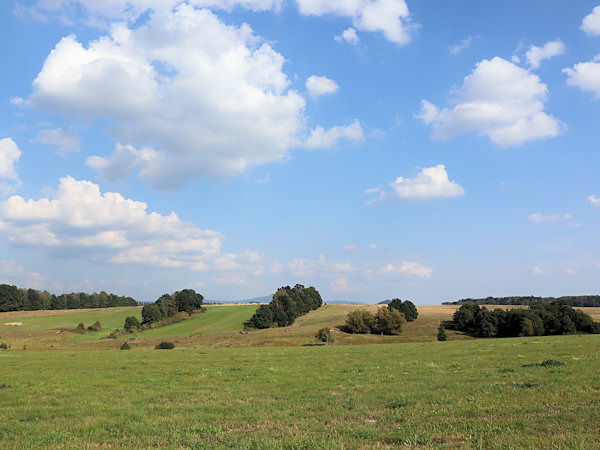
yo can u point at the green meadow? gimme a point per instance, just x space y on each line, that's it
274 388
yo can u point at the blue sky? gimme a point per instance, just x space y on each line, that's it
424 150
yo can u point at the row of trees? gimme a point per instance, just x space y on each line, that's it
386 321
14 299
573 300
287 305
168 308
406 307
541 318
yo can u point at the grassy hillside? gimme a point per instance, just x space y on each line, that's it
489 393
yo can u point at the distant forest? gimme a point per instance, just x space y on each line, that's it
14 299
572 300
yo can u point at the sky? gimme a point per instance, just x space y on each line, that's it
423 150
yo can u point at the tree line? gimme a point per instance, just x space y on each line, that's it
166 309
573 300
13 298
540 319
285 307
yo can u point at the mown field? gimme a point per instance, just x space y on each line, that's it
475 393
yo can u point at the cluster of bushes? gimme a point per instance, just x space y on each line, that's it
4 346
14 299
169 308
573 300
541 318
406 307
287 305
81 329
386 321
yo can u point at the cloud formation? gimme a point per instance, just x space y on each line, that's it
348 35
430 182
390 17
462 45
64 142
594 201
9 156
209 98
535 55
591 22
498 99
105 227
318 86
585 76
410 268
320 138
539 217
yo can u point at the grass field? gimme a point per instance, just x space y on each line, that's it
451 394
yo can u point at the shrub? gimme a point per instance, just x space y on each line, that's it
324 335
95 327
80 328
131 324
115 334
125 346
164 345
441 336
4 346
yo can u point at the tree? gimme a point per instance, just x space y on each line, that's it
360 321
407 308
188 300
262 318
151 313
324 335
441 336
388 321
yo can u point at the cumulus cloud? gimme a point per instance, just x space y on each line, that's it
106 227
350 248
537 271
540 218
209 98
390 17
591 22
407 268
430 182
321 138
9 155
568 271
340 284
594 201
348 35
498 99
317 86
585 76
535 55
64 142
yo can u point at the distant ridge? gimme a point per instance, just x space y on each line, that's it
344 302
263 299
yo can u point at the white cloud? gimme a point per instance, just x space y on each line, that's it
462 45
576 224
539 217
64 142
407 268
106 227
348 35
349 248
585 76
340 284
211 99
317 86
595 201
568 271
373 246
321 138
499 100
591 22
430 182
537 271
9 155
303 267
535 55
390 17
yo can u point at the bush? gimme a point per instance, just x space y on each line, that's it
131 324
125 346
164 345
115 334
388 321
95 327
80 328
324 335
4 346
441 336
